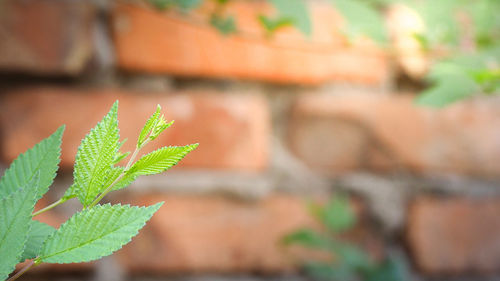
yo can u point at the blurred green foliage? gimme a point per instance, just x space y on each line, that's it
464 33
346 261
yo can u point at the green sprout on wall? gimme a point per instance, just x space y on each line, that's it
461 38
345 261
97 230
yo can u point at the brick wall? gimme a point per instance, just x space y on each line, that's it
279 120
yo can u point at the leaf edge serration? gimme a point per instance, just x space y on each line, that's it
153 209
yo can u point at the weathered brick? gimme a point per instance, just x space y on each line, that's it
455 235
219 234
45 37
232 129
341 133
148 40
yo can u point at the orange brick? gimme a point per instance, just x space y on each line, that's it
148 40
455 235
335 134
217 234
45 37
232 129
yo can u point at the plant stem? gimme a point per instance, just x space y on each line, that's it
23 270
110 187
58 202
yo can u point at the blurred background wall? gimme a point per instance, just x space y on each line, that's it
280 120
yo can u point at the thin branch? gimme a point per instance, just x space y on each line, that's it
22 271
58 202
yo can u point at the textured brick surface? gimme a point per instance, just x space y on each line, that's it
48 37
232 129
147 40
455 235
341 133
218 234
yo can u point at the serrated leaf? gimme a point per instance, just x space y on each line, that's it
161 126
37 235
160 160
123 182
43 158
295 11
95 232
15 220
149 126
95 158
120 156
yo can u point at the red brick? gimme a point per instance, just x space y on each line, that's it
455 235
217 234
148 40
47 37
232 129
335 134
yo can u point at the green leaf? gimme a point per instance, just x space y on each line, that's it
391 269
329 271
149 126
273 24
183 5
160 127
95 158
125 181
160 160
120 156
225 24
43 158
15 221
95 232
309 238
447 91
338 215
39 232
362 19
440 20
295 11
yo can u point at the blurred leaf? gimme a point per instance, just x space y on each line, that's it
307 237
447 91
362 19
459 77
271 25
225 24
351 255
295 11
486 21
188 4
391 269
440 19
184 5
337 215
488 79
327 271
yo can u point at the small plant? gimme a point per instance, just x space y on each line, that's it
97 230
344 261
459 38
